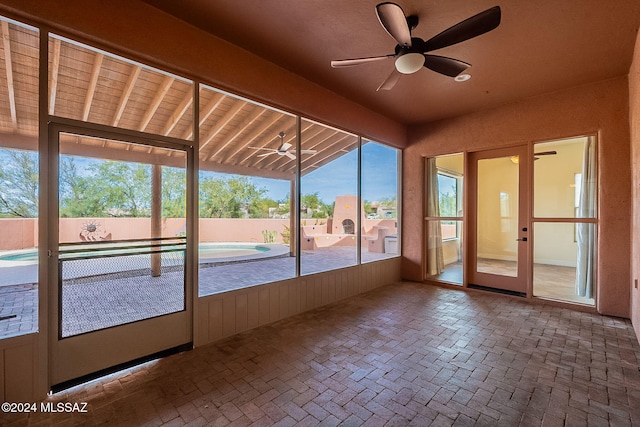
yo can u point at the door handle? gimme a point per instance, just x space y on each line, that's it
524 239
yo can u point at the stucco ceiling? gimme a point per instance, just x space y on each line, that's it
540 46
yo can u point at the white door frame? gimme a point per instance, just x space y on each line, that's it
73 359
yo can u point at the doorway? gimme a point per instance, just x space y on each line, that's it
121 290
499 237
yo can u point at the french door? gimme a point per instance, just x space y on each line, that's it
122 290
499 229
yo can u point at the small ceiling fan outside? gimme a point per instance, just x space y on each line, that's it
544 153
283 150
410 53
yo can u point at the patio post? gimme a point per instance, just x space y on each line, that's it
293 227
156 216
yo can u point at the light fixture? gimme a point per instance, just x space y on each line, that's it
410 62
462 77
515 159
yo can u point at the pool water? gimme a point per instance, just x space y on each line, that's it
205 250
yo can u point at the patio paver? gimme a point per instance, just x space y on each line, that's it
115 300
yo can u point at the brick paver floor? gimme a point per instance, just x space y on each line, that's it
404 354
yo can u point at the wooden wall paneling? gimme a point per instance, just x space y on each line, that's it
332 287
365 278
274 303
317 291
263 305
324 298
18 375
283 295
294 300
242 313
215 319
304 290
203 321
253 299
228 315
354 281
344 275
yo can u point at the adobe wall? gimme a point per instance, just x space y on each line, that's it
22 233
18 233
600 108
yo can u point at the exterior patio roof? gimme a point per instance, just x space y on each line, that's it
89 85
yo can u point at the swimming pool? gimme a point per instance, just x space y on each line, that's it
206 251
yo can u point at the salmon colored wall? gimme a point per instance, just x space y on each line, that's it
21 233
143 32
17 233
634 113
240 229
600 108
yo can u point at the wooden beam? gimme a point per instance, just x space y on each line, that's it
237 131
249 139
162 91
19 141
71 146
330 151
220 124
55 69
93 82
124 98
206 112
243 170
178 113
6 43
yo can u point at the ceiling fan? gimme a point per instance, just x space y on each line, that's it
544 153
283 150
410 53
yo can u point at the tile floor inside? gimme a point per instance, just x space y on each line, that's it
403 354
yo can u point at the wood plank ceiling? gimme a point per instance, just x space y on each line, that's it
92 86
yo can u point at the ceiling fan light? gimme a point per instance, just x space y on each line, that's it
409 63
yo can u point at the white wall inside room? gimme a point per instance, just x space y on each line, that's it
497 209
554 244
554 178
555 197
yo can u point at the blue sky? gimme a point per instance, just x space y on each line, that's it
338 178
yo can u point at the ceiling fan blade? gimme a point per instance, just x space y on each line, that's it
262 148
289 155
391 81
546 153
472 27
393 20
443 65
284 147
339 63
264 155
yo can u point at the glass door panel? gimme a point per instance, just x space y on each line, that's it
499 227
497 216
